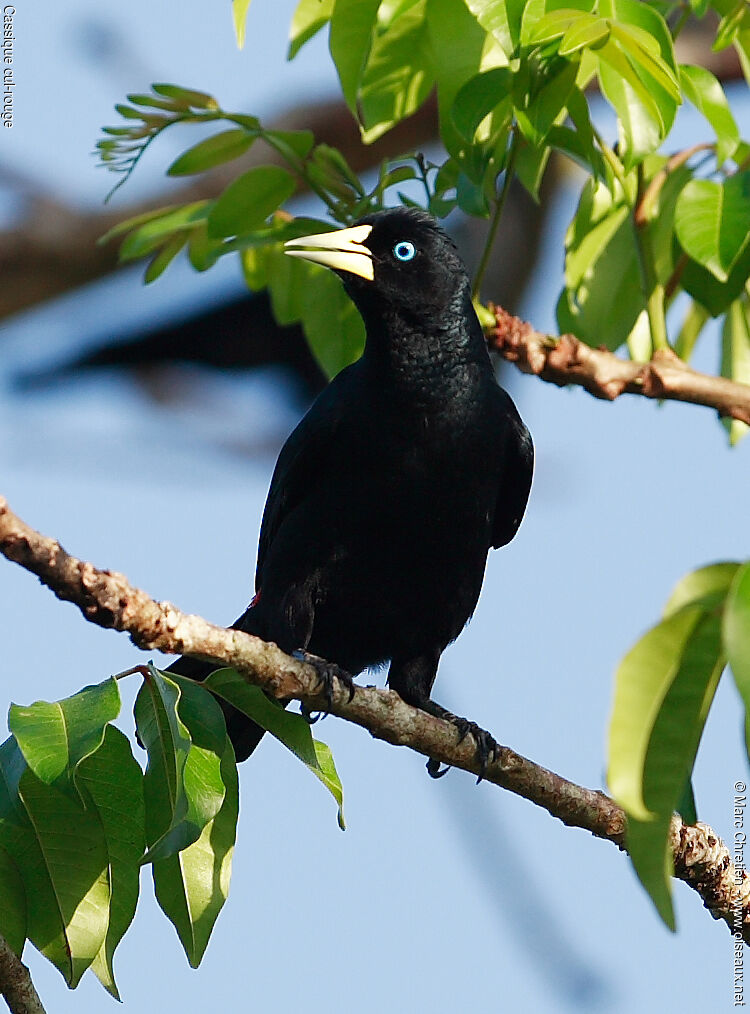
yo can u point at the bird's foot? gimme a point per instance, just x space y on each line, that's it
328 673
487 749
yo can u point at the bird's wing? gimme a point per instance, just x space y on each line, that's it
302 464
515 484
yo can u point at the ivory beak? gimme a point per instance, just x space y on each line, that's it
341 250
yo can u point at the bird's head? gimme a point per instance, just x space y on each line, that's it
399 258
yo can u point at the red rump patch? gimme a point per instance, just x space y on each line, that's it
256 599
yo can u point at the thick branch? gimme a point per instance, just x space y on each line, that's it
566 360
108 599
15 983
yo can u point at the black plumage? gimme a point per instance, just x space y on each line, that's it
406 470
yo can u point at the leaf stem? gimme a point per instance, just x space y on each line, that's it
497 215
653 290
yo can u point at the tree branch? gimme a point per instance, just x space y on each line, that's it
566 360
107 598
15 983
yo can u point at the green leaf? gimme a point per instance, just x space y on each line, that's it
352 26
239 17
290 729
130 223
736 631
186 97
686 805
481 94
735 358
588 32
398 75
13 908
693 324
250 200
164 257
529 166
639 119
55 736
332 324
153 233
501 19
192 886
114 782
255 267
60 850
287 281
706 587
309 17
297 142
673 673
183 730
461 49
706 94
706 288
643 679
536 120
213 151
712 222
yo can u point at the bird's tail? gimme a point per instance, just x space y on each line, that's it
243 732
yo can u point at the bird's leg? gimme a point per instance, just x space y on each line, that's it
412 679
328 673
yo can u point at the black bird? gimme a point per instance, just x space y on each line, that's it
407 468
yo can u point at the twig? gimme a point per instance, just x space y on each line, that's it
566 360
108 599
15 983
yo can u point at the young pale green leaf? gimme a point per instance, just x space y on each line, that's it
55 736
130 223
736 631
290 729
735 357
250 200
239 17
255 267
555 24
192 886
588 32
308 19
60 850
186 97
352 26
114 783
712 222
643 679
693 324
668 764
706 587
640 122
501 19
213 151
706 94
152 234
398 75
13 908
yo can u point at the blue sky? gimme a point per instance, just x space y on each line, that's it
439 894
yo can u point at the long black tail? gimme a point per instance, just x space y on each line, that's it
243 732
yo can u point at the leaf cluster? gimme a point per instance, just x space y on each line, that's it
79 817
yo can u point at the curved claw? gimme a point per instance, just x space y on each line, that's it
328 673
311 717
433 768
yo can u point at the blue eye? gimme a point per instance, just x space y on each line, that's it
404 251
